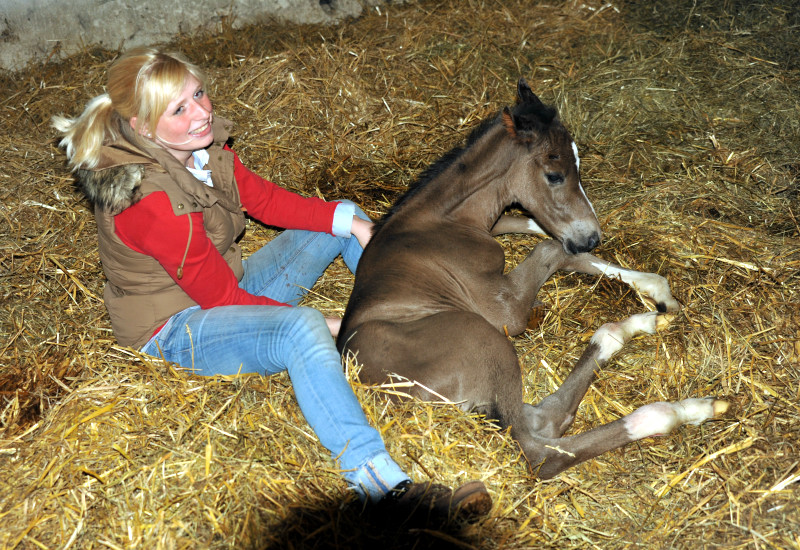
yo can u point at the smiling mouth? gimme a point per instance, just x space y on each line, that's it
201 130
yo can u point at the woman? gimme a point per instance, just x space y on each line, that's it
169 196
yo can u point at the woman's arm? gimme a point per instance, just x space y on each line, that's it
362 230
274 205
151 227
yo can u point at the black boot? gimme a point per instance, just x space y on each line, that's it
434 504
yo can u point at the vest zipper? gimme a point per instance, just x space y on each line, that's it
186 252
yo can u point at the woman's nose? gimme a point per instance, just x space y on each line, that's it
202 110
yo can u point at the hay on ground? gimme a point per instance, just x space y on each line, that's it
687 115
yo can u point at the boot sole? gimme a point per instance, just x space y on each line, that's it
471 501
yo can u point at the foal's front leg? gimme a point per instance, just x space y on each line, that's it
511 223
508 306
651 286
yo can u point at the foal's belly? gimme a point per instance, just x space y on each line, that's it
405 280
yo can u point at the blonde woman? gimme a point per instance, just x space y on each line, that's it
168 195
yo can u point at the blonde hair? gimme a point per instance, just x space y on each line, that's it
141 83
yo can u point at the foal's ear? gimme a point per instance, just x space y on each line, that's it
521 126
525 94
508 122
530 117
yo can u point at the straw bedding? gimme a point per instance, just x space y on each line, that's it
687 115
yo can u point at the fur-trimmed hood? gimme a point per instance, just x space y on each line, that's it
112 189
114 184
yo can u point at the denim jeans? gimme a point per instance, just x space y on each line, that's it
271 339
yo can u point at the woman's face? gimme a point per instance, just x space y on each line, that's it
186 124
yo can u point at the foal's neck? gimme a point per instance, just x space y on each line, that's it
473 190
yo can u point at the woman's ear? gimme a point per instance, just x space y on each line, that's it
142 131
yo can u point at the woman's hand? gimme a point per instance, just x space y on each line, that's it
334 323
361 230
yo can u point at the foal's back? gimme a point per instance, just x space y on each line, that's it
428 255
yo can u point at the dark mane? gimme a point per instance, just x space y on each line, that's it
439 166
532 120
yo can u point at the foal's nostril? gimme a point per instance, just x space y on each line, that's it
570 247
590 243
594 241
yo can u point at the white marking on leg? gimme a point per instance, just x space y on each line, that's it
610 271
612 336
696 410
651 285
535 228
608 340
661 418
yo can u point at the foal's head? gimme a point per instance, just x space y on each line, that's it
548 182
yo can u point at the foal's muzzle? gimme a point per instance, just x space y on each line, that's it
584 245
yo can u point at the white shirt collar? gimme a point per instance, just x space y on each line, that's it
201 157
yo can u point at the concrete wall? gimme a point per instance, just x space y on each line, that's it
31 30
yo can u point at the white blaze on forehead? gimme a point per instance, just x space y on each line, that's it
577 158
578 168
580 186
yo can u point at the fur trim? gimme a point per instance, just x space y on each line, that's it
112 189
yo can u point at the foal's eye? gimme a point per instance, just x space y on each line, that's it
554 178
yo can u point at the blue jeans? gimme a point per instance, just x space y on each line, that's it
271 339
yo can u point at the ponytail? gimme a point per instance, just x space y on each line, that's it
141 83
84 135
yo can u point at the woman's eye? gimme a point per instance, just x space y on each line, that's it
199 93
554 178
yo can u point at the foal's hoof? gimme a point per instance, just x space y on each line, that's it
663 321
648 322
696 410
720 407
664 307
663 301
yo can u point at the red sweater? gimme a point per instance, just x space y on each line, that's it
207 278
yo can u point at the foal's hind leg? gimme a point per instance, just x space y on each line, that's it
553 415
550 453
549 456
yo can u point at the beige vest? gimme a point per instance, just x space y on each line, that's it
140 295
